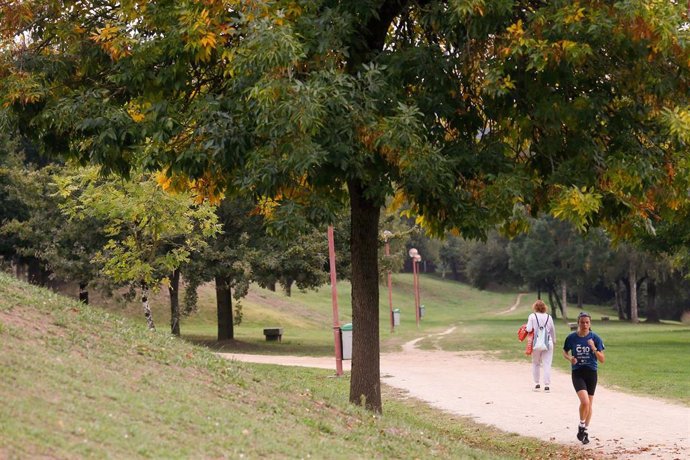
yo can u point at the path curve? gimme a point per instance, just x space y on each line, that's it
499 393
515 305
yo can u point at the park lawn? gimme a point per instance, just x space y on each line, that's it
641 358
308 329
78 381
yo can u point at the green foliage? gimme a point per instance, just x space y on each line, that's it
151 232
577 206
554 252
488 264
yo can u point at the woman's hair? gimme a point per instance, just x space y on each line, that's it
539 306
583 315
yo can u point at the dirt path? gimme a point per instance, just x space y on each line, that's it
500 393
514 306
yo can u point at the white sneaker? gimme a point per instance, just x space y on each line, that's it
546 389
536 387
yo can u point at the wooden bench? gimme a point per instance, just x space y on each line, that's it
604 318
273 333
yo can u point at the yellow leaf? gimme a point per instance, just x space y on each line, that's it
516 29
398 201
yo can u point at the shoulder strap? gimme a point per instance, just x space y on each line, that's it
537 318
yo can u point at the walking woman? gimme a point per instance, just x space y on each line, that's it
538 321
584 349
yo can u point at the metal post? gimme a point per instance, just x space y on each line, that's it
334 301
418 259
386 235
415 269
413 253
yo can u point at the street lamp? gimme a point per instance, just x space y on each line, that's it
418 260
386 236
414 254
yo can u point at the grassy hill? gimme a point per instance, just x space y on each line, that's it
82 382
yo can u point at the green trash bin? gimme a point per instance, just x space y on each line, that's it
396 317
346 340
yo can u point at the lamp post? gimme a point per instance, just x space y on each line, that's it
386 236
414 254
418 260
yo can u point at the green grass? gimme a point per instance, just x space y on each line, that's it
641 358
81 382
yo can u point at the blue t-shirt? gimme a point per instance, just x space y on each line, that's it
580 349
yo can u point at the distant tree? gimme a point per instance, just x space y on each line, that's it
17 196
34 231
453 255
629 268
151 232
488 262
547 256
227 261
301 261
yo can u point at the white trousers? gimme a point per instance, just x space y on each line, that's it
542 358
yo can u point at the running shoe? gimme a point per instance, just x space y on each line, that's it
536 387
581 433
546 389
585 438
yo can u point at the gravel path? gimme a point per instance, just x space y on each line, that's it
500 393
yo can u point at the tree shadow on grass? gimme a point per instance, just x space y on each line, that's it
284 347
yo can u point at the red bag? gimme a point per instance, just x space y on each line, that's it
522 332
528 347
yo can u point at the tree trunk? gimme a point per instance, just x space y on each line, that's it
564 306
226 327
147 308
625 284
554 300
365 380
652 312
20 268
175 303
83 293
633 294
287 287
619 300
35 272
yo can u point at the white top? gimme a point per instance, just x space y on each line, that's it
543 318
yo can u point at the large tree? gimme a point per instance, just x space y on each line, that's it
475 112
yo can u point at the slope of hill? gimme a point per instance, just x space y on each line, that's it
80 382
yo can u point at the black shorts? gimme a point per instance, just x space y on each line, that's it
585 378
